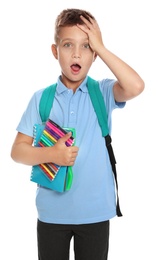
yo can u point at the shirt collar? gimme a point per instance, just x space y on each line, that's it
61 87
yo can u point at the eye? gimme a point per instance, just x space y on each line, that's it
68 44
86 46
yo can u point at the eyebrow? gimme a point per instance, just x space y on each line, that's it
70 39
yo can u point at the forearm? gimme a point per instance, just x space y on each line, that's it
127 77
26 154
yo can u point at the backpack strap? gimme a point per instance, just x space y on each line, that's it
46 102
98 104
100 109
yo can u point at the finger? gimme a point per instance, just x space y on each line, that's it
65 137
88 22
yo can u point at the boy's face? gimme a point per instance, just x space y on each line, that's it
73 53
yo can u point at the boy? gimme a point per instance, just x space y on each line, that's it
84 211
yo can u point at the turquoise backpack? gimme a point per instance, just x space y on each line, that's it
97 99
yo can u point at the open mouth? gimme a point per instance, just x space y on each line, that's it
75 67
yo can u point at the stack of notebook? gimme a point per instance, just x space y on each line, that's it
51 175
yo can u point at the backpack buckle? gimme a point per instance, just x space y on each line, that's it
108 140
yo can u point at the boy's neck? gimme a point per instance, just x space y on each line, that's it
71 84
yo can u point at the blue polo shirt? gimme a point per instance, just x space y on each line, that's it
92 195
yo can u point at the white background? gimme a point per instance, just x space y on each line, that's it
129 30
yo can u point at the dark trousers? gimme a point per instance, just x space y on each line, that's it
91 241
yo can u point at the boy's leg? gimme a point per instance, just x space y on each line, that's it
91 241
53 241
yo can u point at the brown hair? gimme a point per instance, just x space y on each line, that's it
70 17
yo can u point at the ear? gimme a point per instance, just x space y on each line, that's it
94 57
54 50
